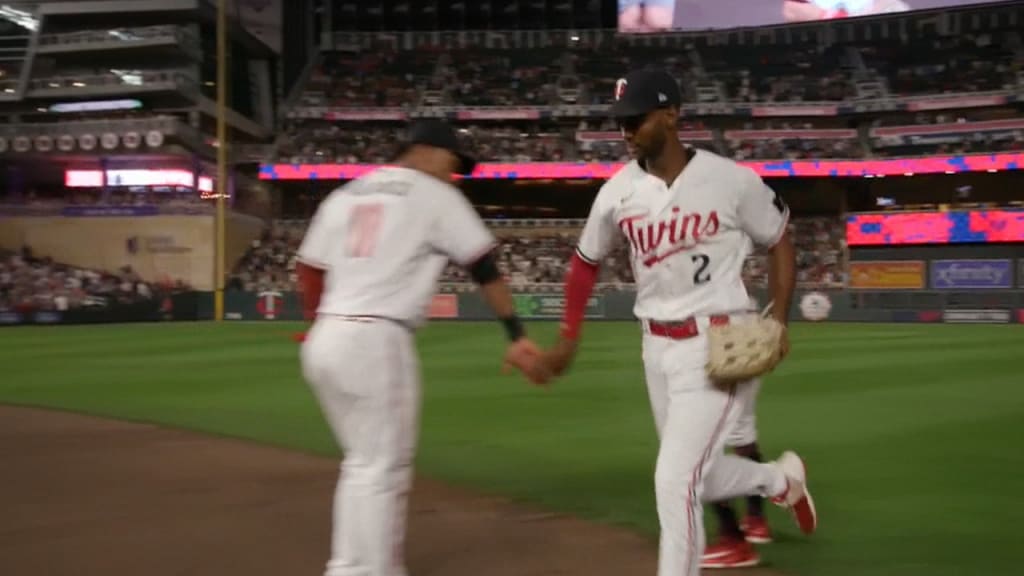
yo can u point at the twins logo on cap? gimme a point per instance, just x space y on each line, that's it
620 88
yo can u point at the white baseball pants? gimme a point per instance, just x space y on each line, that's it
693 418
365 374
744 432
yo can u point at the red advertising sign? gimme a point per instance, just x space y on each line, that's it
444 306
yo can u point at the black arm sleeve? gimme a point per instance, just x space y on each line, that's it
484 270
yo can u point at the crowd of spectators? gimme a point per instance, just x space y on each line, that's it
585 75
794 149
30 283
533 255
955 144
269 263
376 144
326 143
820 246
791 73
960 63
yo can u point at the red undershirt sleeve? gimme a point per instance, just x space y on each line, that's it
579 284
311 287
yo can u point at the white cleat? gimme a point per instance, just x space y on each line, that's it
797 498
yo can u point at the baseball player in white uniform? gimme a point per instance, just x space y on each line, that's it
368 267
690 217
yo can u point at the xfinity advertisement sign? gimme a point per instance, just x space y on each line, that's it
971 274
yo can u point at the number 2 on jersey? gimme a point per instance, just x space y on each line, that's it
701 275
364 223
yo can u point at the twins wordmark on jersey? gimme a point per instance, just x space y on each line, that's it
689 240
653 242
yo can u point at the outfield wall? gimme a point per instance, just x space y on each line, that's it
996 307
1002 306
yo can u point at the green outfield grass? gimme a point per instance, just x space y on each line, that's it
906 429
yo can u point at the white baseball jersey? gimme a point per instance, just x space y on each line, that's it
385 239
688 241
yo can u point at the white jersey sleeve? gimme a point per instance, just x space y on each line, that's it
315 248
599 232
457 230
762 214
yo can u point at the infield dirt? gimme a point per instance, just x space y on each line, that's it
84 496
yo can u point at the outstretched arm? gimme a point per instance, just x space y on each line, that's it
596 241
579 284
521 353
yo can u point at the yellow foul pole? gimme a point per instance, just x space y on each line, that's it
222 156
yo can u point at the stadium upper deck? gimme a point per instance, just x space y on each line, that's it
850 89
129 84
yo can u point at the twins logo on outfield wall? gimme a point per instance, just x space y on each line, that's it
815 306
270 304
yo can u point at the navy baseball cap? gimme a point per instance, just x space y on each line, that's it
437 133
643 91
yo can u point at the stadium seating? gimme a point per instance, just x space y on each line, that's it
323 142
852 73
534 255
765 74
31 283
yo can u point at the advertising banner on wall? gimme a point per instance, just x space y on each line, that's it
976 316
971 274
444 306
887 275
534 306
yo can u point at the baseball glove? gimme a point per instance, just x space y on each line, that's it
744 350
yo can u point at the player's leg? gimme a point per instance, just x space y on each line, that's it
696 422
365 376
654 351
733 548
744 443
784 480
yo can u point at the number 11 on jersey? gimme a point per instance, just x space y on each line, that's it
364 223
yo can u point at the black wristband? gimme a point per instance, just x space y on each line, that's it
513 328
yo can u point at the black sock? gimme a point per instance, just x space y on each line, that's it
728 525
755 504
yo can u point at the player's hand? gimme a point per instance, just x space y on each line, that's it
560 356
525 356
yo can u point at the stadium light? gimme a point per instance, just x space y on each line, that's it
97 105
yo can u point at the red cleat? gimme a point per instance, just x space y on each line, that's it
796 498
756 530
730 553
